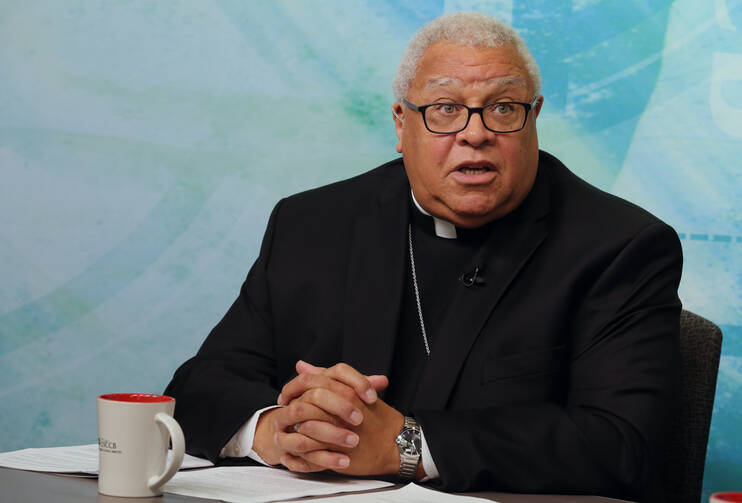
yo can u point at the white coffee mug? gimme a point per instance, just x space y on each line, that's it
133 431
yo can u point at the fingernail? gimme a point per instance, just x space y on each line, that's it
371 395
351 440
343 462
356 417
279 400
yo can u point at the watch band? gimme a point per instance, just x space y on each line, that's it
408 442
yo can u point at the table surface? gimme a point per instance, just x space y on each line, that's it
20 486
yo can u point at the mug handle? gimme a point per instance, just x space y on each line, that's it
178 441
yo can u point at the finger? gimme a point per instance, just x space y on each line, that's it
303 367
328 459
327 433
296 443
380 383
366 389
298 464
333 404
348 375
298 412
303 382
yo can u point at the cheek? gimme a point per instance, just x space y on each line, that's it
429 157
518 156
435 153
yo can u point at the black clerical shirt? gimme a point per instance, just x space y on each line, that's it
440 264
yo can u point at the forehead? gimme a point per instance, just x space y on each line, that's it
448 65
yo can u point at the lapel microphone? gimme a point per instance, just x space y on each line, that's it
473 278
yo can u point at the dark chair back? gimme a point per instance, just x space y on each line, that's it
700 350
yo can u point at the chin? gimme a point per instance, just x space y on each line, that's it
475 213
470 219
475 209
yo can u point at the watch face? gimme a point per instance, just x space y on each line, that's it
409 441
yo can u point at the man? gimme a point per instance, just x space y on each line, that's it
472 315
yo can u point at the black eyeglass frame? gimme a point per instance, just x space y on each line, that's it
473 110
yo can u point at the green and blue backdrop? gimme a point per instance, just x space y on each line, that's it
143 144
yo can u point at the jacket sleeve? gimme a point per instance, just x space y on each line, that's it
234 372
607 437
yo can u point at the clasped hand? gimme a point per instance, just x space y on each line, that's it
331 419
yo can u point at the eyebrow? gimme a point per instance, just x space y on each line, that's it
495 82
442 82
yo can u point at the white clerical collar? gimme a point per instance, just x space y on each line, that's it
443 228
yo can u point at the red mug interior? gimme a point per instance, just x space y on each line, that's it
136 397
732 497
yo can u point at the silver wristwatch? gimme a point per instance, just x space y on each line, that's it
409 444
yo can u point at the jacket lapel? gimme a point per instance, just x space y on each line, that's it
513 241
375 280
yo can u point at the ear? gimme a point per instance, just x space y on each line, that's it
398 114
537 106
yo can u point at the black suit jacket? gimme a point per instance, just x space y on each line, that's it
554 376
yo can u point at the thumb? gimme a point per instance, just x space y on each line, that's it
379 382
303 367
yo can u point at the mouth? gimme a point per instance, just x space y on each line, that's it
475 169
474 173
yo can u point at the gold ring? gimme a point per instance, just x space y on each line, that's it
296 427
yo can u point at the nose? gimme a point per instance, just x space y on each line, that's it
475 134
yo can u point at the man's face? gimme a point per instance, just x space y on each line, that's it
474 176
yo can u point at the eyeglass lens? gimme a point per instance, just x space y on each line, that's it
451 117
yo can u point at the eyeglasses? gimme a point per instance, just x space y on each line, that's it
449 118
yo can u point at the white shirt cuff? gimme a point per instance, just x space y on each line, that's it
240 445
431 472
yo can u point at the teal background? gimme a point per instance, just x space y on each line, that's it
143 144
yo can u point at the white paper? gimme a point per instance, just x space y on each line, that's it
258 484
71 459
411 493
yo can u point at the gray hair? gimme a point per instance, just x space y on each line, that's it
469 29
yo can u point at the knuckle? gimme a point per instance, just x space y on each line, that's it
306 429
338 436
282 418
294 412
346 409
350 395
294 464
301 444
300 409
312 428
290 415
286 388
308 396
344 391
316 458
316 395
304 467
305 380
